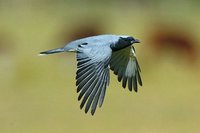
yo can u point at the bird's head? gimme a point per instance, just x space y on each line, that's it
123 42
128 39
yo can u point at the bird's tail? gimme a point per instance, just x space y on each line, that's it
53 51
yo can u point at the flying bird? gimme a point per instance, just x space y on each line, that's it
96 55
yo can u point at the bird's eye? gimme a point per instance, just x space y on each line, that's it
130 39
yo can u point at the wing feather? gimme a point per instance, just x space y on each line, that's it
124 64
92 75
96 99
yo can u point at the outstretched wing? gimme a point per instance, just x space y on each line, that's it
92 76
125 65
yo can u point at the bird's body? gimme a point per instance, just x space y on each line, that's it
97 40
95 56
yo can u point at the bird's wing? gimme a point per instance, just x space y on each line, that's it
92 76
125 65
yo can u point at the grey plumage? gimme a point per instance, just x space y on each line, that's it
95 56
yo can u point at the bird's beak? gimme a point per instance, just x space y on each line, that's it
137 41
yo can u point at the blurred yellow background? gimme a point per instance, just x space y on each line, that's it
38 94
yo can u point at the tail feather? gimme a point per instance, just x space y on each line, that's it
53 51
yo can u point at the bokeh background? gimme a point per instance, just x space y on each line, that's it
38 94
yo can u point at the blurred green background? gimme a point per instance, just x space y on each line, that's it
38 94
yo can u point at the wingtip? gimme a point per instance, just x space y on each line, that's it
86 110
92 113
